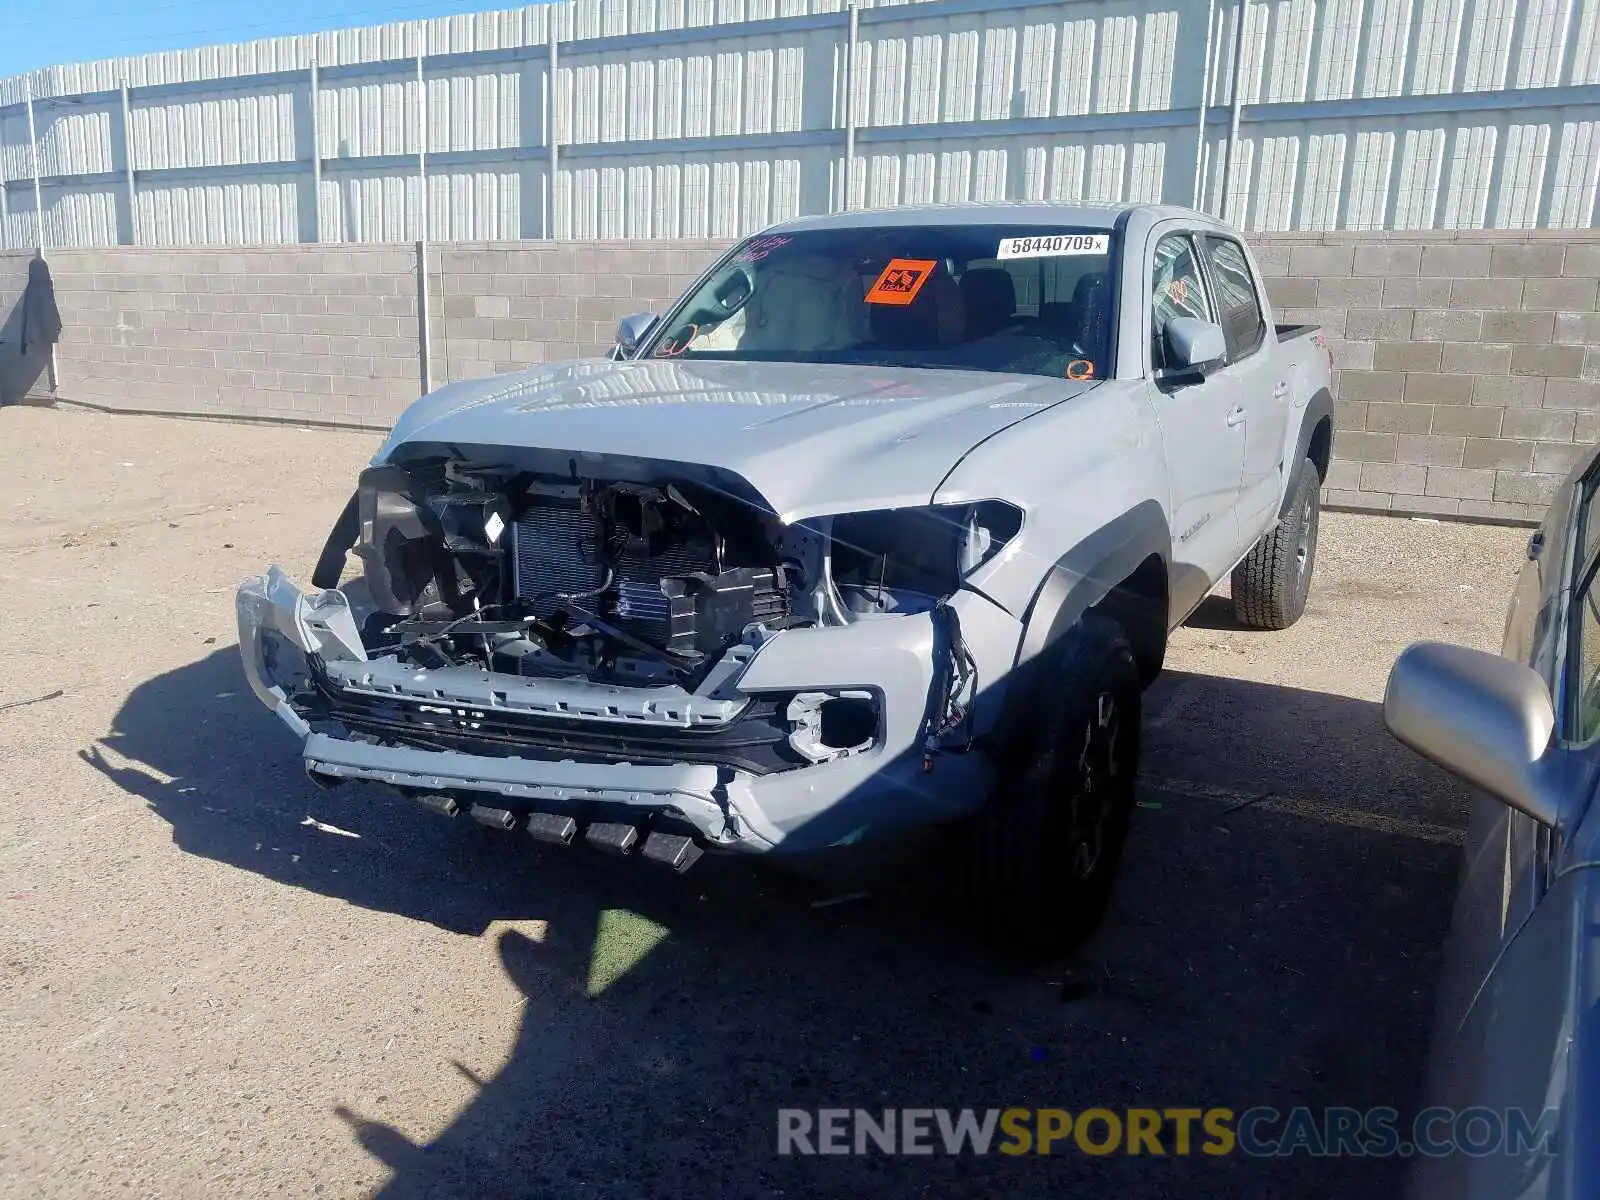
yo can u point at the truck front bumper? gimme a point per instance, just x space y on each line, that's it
283 632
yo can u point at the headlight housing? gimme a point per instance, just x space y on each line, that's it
925 551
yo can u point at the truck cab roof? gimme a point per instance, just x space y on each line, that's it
1019 213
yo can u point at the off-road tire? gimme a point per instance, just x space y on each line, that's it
1047 845
1271 585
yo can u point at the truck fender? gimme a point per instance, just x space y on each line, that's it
1317 410
1080 579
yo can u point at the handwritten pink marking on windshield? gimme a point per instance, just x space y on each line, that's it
760 248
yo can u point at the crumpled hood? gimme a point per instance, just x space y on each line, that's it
811 439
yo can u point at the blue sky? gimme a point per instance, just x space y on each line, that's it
44 33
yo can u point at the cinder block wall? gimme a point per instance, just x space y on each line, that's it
330 333
499 306
1468 363
326 333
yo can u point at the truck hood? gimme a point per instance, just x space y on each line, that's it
810 439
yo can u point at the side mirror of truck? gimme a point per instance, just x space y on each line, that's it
631 331
1195 348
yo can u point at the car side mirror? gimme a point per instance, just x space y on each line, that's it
1194 347
1482 717
633 330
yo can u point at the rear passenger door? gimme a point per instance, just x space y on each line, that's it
1203 443
1254 379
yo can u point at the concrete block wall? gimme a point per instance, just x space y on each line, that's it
499 306
1467 363
327 334
330 334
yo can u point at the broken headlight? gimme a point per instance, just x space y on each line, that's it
903 559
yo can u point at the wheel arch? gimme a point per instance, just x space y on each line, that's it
1314 441
1122 571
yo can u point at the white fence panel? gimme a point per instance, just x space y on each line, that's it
708 118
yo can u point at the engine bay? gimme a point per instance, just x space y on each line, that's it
533 574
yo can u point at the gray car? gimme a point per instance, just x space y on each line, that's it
1517 1040
884 524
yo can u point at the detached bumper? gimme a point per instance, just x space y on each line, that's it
279 626
805 808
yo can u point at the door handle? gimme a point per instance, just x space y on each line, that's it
1280 391
1235 417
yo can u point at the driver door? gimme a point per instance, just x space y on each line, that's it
1202 437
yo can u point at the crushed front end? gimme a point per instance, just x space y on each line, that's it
640 654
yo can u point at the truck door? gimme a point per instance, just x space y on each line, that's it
1257 381
1202 439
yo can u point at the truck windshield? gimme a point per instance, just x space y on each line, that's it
1029 300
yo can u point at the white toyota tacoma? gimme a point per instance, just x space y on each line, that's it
884 524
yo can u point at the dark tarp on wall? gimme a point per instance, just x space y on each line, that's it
28 330
41 319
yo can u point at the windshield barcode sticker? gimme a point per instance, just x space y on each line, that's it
1053 245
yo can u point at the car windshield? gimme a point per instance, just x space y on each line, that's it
1034 300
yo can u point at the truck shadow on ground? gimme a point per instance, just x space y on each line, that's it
1273 942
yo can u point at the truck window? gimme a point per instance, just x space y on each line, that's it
1177 289
1033 300
1236 297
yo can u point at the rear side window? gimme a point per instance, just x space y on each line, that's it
1239 308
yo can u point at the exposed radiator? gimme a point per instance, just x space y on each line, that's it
554 544
642 609
554 548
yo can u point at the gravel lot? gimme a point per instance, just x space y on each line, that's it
218 980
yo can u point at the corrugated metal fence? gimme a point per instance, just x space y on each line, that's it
712 118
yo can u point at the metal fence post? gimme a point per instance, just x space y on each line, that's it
38 219
550 126
850 107
127 165
33 163
316 156
1231 154
424 323
1205 103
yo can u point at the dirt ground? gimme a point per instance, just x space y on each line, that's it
216 979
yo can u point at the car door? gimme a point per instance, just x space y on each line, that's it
1202 439
1517 1029
1256 380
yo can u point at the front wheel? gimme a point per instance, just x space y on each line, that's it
1271 585
1049 841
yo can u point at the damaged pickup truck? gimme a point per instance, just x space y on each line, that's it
884 524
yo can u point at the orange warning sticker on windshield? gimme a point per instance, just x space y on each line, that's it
901 280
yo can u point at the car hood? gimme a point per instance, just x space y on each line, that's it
810 439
